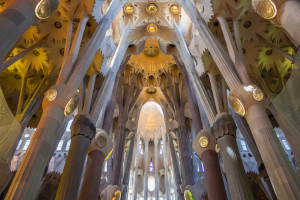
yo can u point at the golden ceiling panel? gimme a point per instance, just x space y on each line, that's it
151 59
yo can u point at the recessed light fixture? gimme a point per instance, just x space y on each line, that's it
175 9
151 28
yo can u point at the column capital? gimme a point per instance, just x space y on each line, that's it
63 96
204 141
224 125
101 142
84 126
242 97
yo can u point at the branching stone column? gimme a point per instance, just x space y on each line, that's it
286 13
204 145
83 131
16 19
146 166
224 131
247 101
28 178
98 150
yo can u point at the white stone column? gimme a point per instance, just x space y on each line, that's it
166 164
146 166
126 174
224 131
156 147
136 167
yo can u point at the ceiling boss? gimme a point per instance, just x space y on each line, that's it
151 8
175 9
151 28
128 8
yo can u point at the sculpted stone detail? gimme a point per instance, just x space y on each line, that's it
244 96
224 125
101 142
204 136
83 125
63 96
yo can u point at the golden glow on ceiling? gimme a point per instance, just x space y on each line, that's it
203 141
151 64
151 8
266 9
175 9
128 8
151 28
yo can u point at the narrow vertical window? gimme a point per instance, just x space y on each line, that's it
161 151
244 146
286 145
59 146
140 147
68 145
151 169
26 144
202 166
105 167
19 144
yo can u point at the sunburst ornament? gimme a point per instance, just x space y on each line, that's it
38 59
151 8
128 8
31 35
175 9
56 54
267 59
19 66
56 26
251 25
151 28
